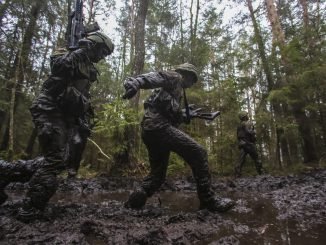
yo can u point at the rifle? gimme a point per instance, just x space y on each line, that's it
76 29
190 112
207 115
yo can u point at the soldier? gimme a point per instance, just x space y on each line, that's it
61 114
160 134
246 141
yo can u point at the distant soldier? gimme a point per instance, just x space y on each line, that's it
160 134
246 141
61 114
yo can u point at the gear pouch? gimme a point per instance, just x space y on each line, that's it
73 102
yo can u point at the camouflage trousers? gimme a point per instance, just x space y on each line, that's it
61 145
247 149
159 144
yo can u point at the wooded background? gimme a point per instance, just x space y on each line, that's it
266 57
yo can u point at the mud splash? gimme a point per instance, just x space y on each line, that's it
270 210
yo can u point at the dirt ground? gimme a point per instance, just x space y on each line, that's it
269 210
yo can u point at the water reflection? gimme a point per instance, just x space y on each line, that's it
253 220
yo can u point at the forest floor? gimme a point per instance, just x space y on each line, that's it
269 210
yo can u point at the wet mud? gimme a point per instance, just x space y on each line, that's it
269 210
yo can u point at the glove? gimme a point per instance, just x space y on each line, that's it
131 86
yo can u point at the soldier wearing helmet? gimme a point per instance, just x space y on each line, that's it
246 135
100 47
160 134
62 115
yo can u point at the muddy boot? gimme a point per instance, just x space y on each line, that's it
136 200
217 204
28 213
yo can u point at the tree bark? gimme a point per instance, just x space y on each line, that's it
305 13
139 60
272 15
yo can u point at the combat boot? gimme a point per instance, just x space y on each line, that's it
217 204
137 199
29 215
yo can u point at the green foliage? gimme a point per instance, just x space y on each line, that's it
232 74
115 117
280 95
113 121
176 166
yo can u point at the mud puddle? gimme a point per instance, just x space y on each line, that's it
269 210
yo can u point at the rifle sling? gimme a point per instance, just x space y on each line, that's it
186 105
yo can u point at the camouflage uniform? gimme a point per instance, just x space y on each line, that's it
246 141
160 134
61 114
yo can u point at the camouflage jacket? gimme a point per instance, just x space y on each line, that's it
163 106
67 88
246 133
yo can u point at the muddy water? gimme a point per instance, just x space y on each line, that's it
269 210
254 217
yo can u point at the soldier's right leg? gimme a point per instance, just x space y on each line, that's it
52 132
158 156
240 162
76 146
252 151
196 156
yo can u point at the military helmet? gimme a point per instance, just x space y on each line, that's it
188 68
101 38
243 114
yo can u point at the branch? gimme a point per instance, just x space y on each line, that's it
97 146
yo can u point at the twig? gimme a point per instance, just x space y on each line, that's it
99 149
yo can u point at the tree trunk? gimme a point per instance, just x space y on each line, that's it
137 63
305 13
11 115
139 60
308 146
272 15
21 69
281 143
30 144
193 30
181 31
